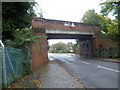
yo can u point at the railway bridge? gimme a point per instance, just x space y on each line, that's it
87 34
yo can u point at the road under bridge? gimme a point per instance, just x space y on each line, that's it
87 34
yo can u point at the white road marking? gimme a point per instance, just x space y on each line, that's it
68 56
71 59
50 58
84 62
108 68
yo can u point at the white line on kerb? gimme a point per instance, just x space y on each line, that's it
108 68
84 62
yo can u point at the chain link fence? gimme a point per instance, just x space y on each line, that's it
16 64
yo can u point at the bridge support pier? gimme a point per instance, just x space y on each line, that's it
86 47
39 51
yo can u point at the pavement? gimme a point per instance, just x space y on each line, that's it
51 75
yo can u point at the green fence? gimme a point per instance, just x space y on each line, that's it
15 65
108 52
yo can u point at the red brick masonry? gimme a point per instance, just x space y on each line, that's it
39 52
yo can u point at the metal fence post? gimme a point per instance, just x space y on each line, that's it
4 67
1 58
10 61
3 64
1 54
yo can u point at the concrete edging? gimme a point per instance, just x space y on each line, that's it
109 60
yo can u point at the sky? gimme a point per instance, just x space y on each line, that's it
68 10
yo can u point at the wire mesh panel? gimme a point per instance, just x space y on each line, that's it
17 64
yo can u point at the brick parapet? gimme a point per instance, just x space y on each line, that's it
56 24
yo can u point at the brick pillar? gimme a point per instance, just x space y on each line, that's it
39 51
94 46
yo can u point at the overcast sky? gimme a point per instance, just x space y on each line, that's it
69 10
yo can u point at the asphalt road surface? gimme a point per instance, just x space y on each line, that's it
92 72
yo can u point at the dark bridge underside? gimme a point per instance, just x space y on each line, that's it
69 36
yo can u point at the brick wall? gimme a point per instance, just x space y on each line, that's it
39 52
105 42
102 42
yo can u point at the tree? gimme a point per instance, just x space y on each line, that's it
108 26
109 7
91 17
16 24
15 15
76 49
23 39
61 48
114 8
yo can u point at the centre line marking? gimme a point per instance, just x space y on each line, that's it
84 62
68 56
108 68
72 59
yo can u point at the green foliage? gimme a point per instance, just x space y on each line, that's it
5 86
26 68
16 15
90 17
23 39
108 26
113 31
114 8
108 52
60 48
109 7
75 48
